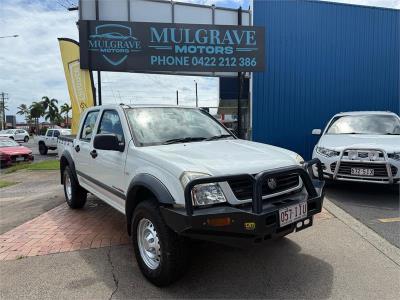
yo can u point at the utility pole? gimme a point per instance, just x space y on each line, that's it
240 86
197 97
177 97
3 98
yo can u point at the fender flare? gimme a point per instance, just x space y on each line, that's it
151 183
67 156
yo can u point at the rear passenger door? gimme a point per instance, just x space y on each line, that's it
83 146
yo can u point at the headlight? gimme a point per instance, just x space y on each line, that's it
299 159
327 152
395 155
203 194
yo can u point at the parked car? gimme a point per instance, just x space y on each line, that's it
361 146
177 173
12 152
49 140
16 134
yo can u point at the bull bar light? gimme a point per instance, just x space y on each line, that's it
203 194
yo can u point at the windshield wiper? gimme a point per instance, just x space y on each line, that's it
184 140
390 133
217 137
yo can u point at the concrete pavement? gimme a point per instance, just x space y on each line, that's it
370 204
329 260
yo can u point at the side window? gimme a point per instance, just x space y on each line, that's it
111 123
88 125
49 133
56 133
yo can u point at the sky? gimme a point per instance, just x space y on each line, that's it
30 65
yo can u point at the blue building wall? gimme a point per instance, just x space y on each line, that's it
322 58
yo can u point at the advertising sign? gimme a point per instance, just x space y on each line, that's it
80 83
161 47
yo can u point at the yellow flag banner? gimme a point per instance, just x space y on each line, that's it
80 82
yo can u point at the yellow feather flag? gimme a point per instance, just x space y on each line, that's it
80 82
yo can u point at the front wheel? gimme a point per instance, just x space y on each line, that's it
75 195
26 139
161 254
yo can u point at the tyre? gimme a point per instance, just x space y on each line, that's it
161 254
11 137
26 139
43 149
75 195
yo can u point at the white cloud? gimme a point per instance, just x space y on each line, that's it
31 64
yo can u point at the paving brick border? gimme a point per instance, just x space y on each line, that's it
63 229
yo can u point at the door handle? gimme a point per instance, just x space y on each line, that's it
77 148
93 153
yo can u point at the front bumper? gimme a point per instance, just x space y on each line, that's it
387 170
247 224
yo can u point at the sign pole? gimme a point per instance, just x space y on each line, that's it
240 75
99 87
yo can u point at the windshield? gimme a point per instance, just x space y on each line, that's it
365 124
8 143
167 125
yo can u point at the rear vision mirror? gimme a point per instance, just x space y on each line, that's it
108 142
316 132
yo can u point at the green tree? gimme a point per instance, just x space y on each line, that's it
51 109
36 111
65 109
23 110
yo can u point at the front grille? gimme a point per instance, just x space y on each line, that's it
379 169
243 188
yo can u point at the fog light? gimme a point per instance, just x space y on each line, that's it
307 221
218 222
299 224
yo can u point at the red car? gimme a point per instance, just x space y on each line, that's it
12 152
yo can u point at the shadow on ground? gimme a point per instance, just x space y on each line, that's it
272 270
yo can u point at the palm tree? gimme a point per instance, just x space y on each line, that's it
23 110
36 111
65 109
51 109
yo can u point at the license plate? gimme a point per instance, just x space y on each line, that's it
362 172
20 158
292 213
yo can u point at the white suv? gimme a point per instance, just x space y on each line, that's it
361 146
16 134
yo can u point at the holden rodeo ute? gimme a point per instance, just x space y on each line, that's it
178 174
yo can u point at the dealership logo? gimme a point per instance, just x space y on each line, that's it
272 183
115 42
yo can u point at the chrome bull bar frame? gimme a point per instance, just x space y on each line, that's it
356 178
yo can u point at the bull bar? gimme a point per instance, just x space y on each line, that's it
306 174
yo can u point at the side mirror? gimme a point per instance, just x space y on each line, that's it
316 132
108 142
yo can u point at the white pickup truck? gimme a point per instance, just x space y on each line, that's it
49 140
176 174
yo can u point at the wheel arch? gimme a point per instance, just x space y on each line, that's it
144 186
66 160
